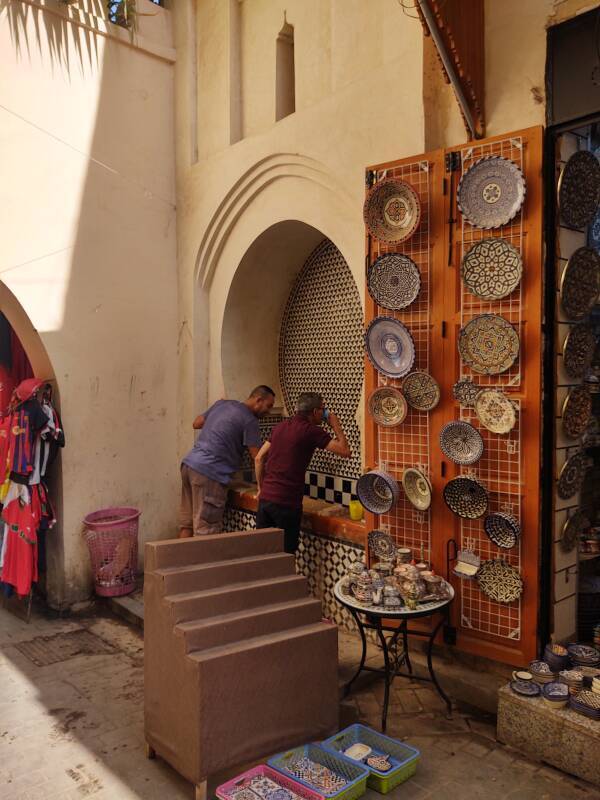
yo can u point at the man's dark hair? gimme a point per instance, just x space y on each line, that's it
308 401
262 391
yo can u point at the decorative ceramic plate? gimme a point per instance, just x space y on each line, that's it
571 476
417 488
491 192
461 442
387 406
584 652
390 347
588 698
466 392
502 529
392 211
579 189
577 411
580 283
466 497
540 668
572 529
578 350
421 391
555 691
495 411
394 281
382 544
488 344
525 688
492 269
377 491
499 581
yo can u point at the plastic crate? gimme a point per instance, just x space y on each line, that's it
225 791
404 758
354 773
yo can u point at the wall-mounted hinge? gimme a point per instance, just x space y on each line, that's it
452 161
369 178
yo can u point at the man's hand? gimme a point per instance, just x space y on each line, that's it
334 422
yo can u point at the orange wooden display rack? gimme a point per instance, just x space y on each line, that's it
510 465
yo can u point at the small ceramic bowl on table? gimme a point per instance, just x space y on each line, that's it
555 694
522 675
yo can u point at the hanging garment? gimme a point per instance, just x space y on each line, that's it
27 420
20 566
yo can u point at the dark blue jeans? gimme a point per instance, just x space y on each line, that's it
273 515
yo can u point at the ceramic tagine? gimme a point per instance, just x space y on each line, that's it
436 585
409 582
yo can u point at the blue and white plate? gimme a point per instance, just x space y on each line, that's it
525 688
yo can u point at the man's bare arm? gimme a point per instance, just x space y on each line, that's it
259 463
198 422
339 445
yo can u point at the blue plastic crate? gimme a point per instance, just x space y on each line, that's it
354 773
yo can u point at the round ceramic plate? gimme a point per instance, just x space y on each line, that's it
466 392
382 544
502 529
377 491
488 344
579 189
491 192
417 488
577 411
580 283
392 211
578 350
461 442
390 347
387 406
525 688
495 411
466 497
492 269
499 581
572 529
421 391
571 476
394 281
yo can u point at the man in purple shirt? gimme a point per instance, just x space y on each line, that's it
281 464
226 428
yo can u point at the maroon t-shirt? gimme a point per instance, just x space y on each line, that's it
293 443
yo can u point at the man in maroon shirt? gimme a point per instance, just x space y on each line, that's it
281 464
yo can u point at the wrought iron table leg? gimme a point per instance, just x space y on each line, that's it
405 644
434 680
363 657
388 674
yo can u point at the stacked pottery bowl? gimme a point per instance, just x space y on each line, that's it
586 703
555 694
596 685
541 672
557 657
573 678
583 655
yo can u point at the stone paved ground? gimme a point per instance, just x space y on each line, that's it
74 729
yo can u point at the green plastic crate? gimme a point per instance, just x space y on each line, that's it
405 756
353 772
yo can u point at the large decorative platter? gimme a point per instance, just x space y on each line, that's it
578 350
571 476
465 391
577 411
421 391
387 406
488 344
499 581
580 283
390 347
579 189
417 488
466 497
492 269
382 545
394 281
502 529
495 411
574 525
461 442
392 211
491 192
377 491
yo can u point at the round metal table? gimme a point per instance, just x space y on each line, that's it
395 656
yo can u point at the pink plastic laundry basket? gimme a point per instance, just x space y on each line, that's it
112 537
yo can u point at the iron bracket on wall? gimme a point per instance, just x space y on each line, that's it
452 161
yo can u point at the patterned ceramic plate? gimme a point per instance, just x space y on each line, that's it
577 411
491 192
499 581
502 529
584 652
525 688
417 488
492 269
390 347
588 698
461 442
555 691
387 406
392 211
540 668
466 497
466 392
495 411
580 283
394 281
421 391
571 476
572 529
382 544
377 491
579 189
578 350
488 344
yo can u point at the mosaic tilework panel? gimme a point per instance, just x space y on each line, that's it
236 520
331 488
265 425
321 348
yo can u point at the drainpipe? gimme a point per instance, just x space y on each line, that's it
448 66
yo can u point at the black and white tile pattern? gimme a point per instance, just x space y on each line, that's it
331 488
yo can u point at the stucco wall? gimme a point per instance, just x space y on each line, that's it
88 251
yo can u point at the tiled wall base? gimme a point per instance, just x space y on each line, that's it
331 488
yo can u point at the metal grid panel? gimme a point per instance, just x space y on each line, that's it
408 444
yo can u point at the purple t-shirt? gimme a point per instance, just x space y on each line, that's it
229 426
